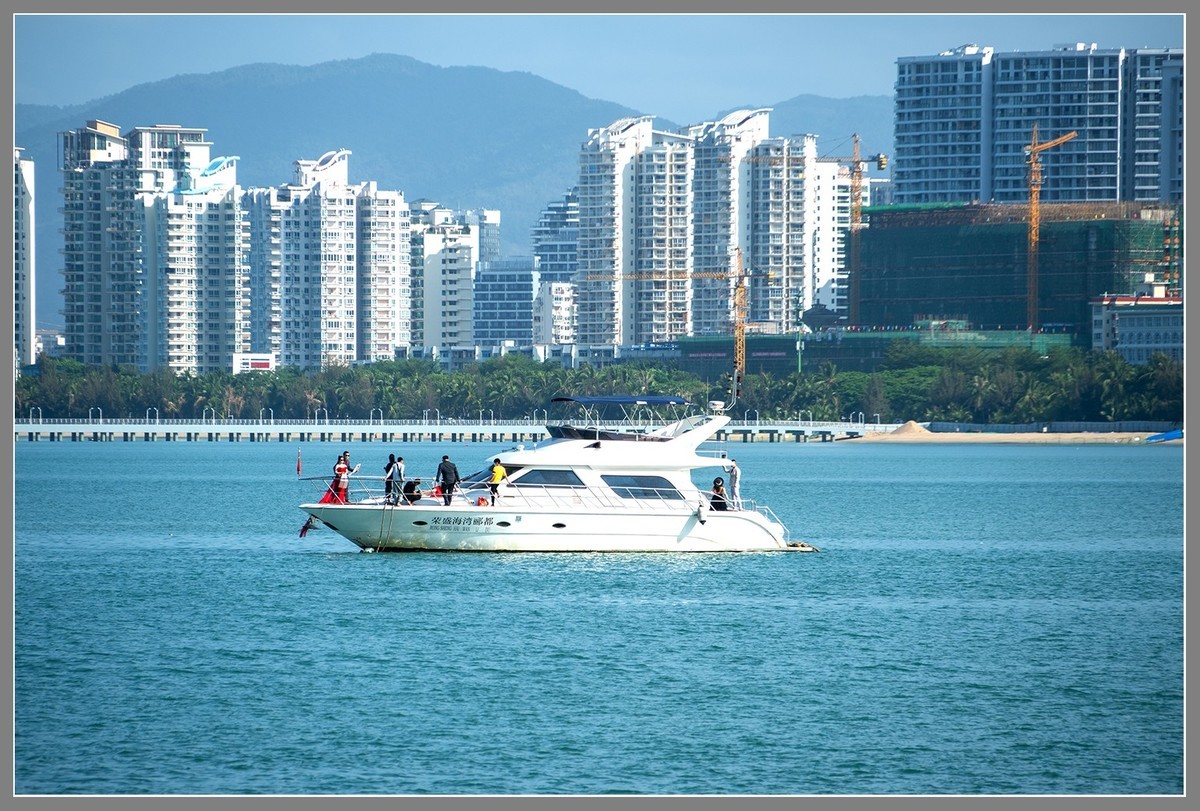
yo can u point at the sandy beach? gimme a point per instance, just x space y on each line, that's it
912 432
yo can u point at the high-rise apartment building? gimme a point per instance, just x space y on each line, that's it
195 269
24 295
798 215
606 224
444 248
555 239
964 117
384 291
659 295
664 218
721 213
329 267
150 219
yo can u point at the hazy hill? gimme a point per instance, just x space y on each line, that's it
466 136
835 121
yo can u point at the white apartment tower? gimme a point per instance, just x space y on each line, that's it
24 313
384 291
134 239
330 267
445 248
659 307
664 218
607 245
722 212
554 314
196 272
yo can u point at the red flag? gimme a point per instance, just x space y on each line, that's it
297 463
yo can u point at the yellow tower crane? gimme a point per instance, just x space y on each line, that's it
858 166
1032 152
739 330
739 281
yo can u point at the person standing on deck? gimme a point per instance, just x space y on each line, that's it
499 474
735 484
342 473
447 478
393 474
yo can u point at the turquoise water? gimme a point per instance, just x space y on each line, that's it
980 620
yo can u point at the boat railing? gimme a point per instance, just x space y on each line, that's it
768 513
372 490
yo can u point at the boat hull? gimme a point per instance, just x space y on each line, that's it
381 528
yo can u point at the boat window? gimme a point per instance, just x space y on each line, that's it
548 478
643 487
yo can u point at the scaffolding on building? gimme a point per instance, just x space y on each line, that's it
972 260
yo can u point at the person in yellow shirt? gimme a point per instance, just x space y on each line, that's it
499 474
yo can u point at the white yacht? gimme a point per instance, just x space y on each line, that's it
586 489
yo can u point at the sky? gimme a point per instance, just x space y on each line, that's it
678 66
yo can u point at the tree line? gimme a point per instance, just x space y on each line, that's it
914 382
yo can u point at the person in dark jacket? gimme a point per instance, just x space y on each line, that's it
447 478
412 492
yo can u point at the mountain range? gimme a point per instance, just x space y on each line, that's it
468 137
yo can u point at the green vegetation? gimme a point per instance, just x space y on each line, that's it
914 382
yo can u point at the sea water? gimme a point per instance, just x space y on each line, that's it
985 619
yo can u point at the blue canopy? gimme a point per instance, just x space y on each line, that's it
623 400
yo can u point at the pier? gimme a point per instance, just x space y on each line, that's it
445 430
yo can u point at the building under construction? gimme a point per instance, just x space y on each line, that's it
971 262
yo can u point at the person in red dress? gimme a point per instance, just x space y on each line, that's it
342 472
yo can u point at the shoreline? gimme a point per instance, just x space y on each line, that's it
923 436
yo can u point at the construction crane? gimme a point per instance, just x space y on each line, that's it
739 280
1032 153
857 168
739 331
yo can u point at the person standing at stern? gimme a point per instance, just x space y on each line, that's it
735 484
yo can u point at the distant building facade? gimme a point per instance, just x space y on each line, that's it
555 239
154 256
24 294
444 260
665 216
330 267
505 291
196 272
487 222
963 118
554 314
1141 325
